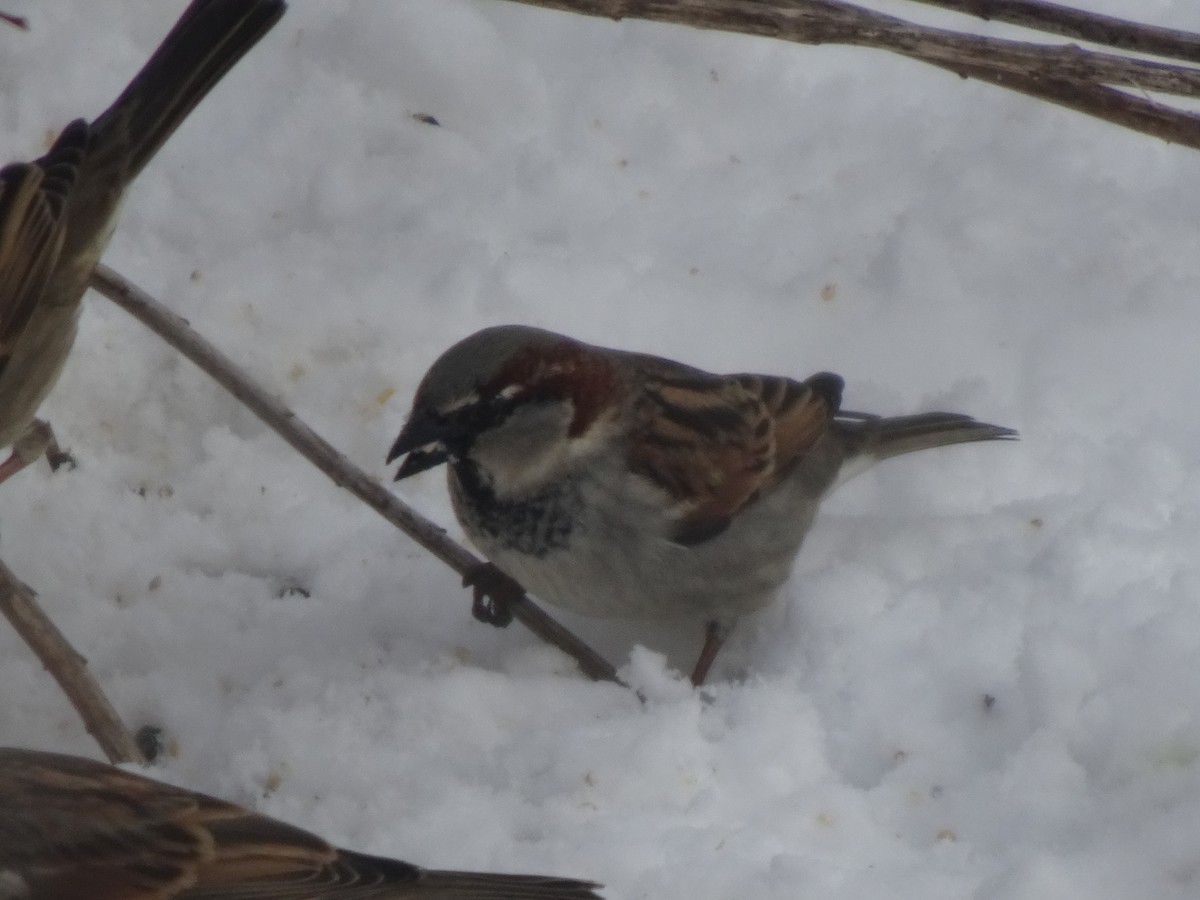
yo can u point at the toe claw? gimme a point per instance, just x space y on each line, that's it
59 458
494 594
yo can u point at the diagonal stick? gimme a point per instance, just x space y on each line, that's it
67 667
280 419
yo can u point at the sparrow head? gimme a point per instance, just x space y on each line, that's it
512 399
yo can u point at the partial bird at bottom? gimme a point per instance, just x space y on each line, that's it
74 829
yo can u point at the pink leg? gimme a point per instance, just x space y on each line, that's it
715 634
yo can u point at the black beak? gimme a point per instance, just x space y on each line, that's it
428 440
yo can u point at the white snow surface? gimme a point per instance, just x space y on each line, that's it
982 680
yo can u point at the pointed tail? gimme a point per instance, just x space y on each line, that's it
434 885
207 41
882 438
868 439
379 878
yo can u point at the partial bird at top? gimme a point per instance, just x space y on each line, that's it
58 212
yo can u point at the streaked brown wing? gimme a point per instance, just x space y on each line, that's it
274 875
717 443
258 857
81 830
32 201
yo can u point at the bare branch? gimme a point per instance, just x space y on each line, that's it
1081 26
68 668
329 460
1065 75
1118 107
952 49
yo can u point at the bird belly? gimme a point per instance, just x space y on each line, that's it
598 553
34 367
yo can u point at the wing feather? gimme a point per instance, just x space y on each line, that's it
32 203
717 443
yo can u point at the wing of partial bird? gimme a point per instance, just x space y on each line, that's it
81 830
356 876
33 203
717 443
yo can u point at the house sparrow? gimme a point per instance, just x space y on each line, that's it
74 829
625 485
58 212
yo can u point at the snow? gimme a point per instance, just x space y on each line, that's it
981 681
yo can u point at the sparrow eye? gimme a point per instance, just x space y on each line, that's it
496 408
481 414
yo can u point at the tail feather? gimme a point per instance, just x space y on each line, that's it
207 41
436 885
883 438
867 439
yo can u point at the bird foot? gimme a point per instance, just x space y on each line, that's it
37 440
495 594
57 457
715 634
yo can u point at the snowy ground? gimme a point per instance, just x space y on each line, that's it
737 203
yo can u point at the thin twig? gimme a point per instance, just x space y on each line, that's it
176 332
1079 25
16 21
67 667
1118 107
833 21
1069 76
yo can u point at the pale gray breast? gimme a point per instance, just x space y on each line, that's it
35 365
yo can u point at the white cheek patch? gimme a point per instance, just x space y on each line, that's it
529 450
557 459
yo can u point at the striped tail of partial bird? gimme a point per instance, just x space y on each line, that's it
75 829
869 439
433 884
357 876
